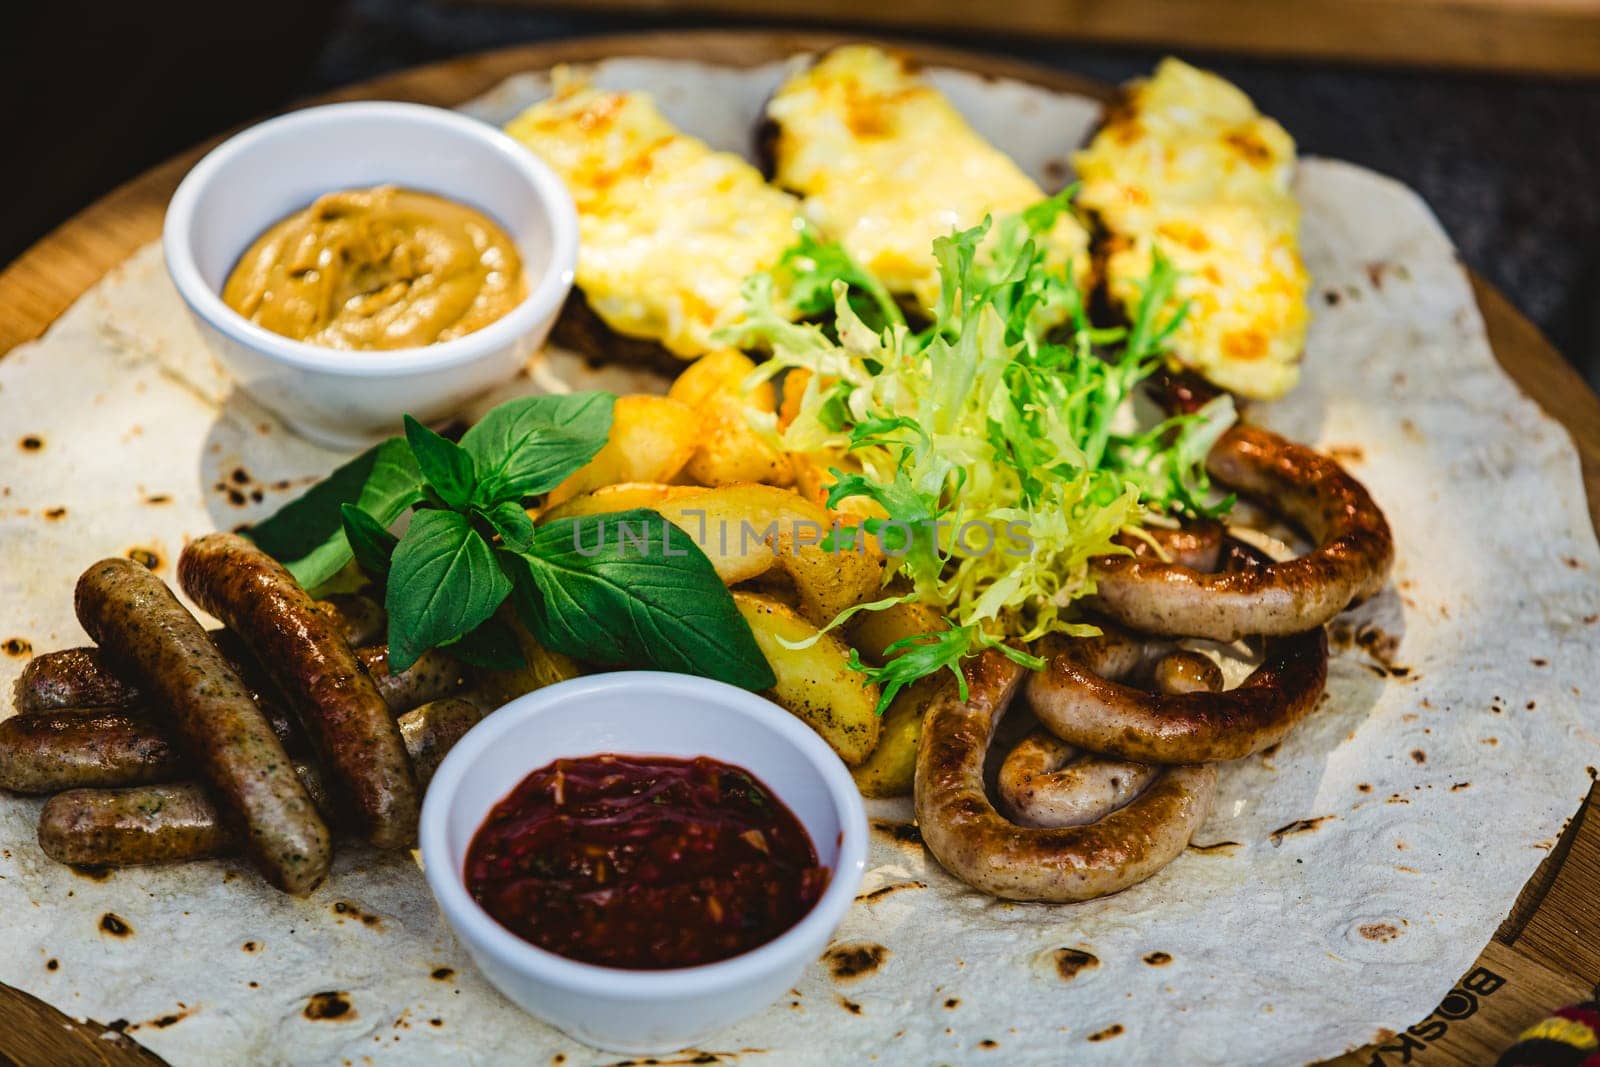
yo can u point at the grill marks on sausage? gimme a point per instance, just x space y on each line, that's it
142 628
342 711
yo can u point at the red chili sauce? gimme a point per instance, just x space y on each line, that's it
645 862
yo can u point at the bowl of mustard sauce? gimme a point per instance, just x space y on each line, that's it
352 263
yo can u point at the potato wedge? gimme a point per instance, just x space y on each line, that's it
722 373
815 683
748 531
872 632
621 497
729 449
891 769
652 439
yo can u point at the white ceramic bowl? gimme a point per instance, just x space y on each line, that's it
642 713
250 181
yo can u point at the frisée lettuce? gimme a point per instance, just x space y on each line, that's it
994 452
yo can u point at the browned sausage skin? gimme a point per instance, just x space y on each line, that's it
344 716
81 678
977 844
1351 561
176 822
1079 697
1196 545
150 636
1046 782
48 751
105 748
128 827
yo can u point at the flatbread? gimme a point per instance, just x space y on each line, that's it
1343 883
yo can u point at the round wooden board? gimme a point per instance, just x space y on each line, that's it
1547 952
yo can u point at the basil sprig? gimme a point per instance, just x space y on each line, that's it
628 589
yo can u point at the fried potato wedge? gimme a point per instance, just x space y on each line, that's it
748 531
652 439
872 632
621 497
891 769
815 683
729 449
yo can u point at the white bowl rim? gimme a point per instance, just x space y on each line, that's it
541 302
449 886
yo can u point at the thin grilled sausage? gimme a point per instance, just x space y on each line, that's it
433 677
107 748
1082 698
174 823
977 844
345 718
1351 562
146 633
432 730
128 827
48 751
81 677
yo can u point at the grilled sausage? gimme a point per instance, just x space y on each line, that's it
433 677
432 730
127 827
81 678
1081 698
176 822
151 637
345 718
1046 782
48 751
1351 561
105 748
977 844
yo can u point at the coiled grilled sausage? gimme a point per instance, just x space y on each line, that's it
1351 561
1079 697
151 637
977 844
345 718
1046 782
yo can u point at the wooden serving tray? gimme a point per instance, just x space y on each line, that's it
1545 954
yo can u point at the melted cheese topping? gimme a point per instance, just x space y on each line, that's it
886 165
1188 166
668 228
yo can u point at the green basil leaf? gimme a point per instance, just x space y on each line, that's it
491 646
371 540
307 534
631 589
443 582
510 520
446 466
529 445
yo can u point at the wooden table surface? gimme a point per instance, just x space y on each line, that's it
1545 954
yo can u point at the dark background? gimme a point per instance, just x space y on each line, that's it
93 93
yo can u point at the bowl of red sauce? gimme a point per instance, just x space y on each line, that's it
640 858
